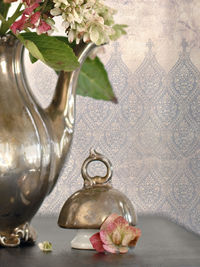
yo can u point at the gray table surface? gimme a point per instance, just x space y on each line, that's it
163 243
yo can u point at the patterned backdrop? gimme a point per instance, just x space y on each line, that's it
152 136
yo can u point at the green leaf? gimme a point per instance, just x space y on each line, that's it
6 24
93 81
2 18
4 7
53 52
32 58
60 38
33 49
65 40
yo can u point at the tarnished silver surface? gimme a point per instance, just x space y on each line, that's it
22 234
33 142
90 181
90 206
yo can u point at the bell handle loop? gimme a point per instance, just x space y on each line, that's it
96 180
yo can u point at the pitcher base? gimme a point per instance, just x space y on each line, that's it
24 234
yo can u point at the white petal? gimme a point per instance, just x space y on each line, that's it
77 40
86 37
65 24
71 36
55 11
94 35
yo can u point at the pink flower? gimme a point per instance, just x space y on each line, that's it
30 18
25 20
115 236
30 2
19 24
35 18
43 27
29 10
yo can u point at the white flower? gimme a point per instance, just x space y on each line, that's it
86 37
71 36
65 24
94 34
56 11
89 20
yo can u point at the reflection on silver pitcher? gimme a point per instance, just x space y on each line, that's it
34 142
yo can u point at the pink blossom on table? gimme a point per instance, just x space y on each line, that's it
97 243
115 236
109 220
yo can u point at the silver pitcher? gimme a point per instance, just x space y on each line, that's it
34 142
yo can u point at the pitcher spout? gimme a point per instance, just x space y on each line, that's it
61 112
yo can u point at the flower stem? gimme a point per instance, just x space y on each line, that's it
44 6
6 24
2 18
27 30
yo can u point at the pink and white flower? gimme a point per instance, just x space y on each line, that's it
115 236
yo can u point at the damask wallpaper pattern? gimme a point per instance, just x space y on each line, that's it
152 136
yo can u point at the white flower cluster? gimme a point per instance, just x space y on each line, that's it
87 20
